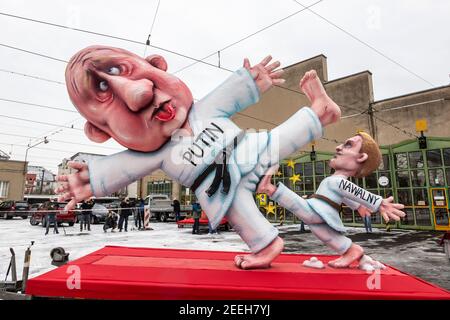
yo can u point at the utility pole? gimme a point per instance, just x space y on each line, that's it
372 122
42 180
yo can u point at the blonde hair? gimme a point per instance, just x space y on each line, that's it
370 147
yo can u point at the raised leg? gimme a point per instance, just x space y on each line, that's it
256 231
325 108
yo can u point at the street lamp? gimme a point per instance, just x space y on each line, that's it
32 146
26 155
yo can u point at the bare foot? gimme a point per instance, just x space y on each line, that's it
263 258
311 85
325 108
368 264
354 253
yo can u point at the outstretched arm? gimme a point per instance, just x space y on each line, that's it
241 90
75 187
350 191
372 202
264 74
106 175
390 210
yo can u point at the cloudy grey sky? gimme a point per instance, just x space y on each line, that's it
409 39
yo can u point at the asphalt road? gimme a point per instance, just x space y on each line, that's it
415 252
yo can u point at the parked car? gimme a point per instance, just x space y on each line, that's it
113 206
11 208
160 206
40 215
99 213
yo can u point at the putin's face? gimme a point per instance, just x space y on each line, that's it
123 96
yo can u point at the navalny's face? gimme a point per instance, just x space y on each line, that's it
348 156
123 96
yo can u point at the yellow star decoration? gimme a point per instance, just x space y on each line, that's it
270 208
295 178
279 173
291 163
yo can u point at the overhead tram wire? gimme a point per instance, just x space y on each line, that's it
40 148
93 33
50 132
138 42
365 44
396 127
151 28
37 105
39 122
31 76
33 53
248 36
62 141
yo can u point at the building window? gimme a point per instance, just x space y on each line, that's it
416 172
160 187
434 158
423 217
308 169
299 169
416 159
418 178
384 165
420 197
287 171
4 189
447 158
320 168
403 179
187 196
436 177
372 181
409 218
308 184
401 161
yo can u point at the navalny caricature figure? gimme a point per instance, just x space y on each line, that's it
358 157
151 112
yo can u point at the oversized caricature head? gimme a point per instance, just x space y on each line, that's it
127 98
359 156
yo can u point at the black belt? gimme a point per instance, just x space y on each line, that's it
220 165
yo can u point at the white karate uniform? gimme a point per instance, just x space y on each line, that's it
324 220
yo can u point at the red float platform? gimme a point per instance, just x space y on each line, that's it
145 273
202 222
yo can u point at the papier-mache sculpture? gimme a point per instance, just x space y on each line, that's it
357 157
139 104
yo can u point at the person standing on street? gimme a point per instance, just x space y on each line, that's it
141 210
86 207
196 213
51 218
176 209
368 223
124 214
